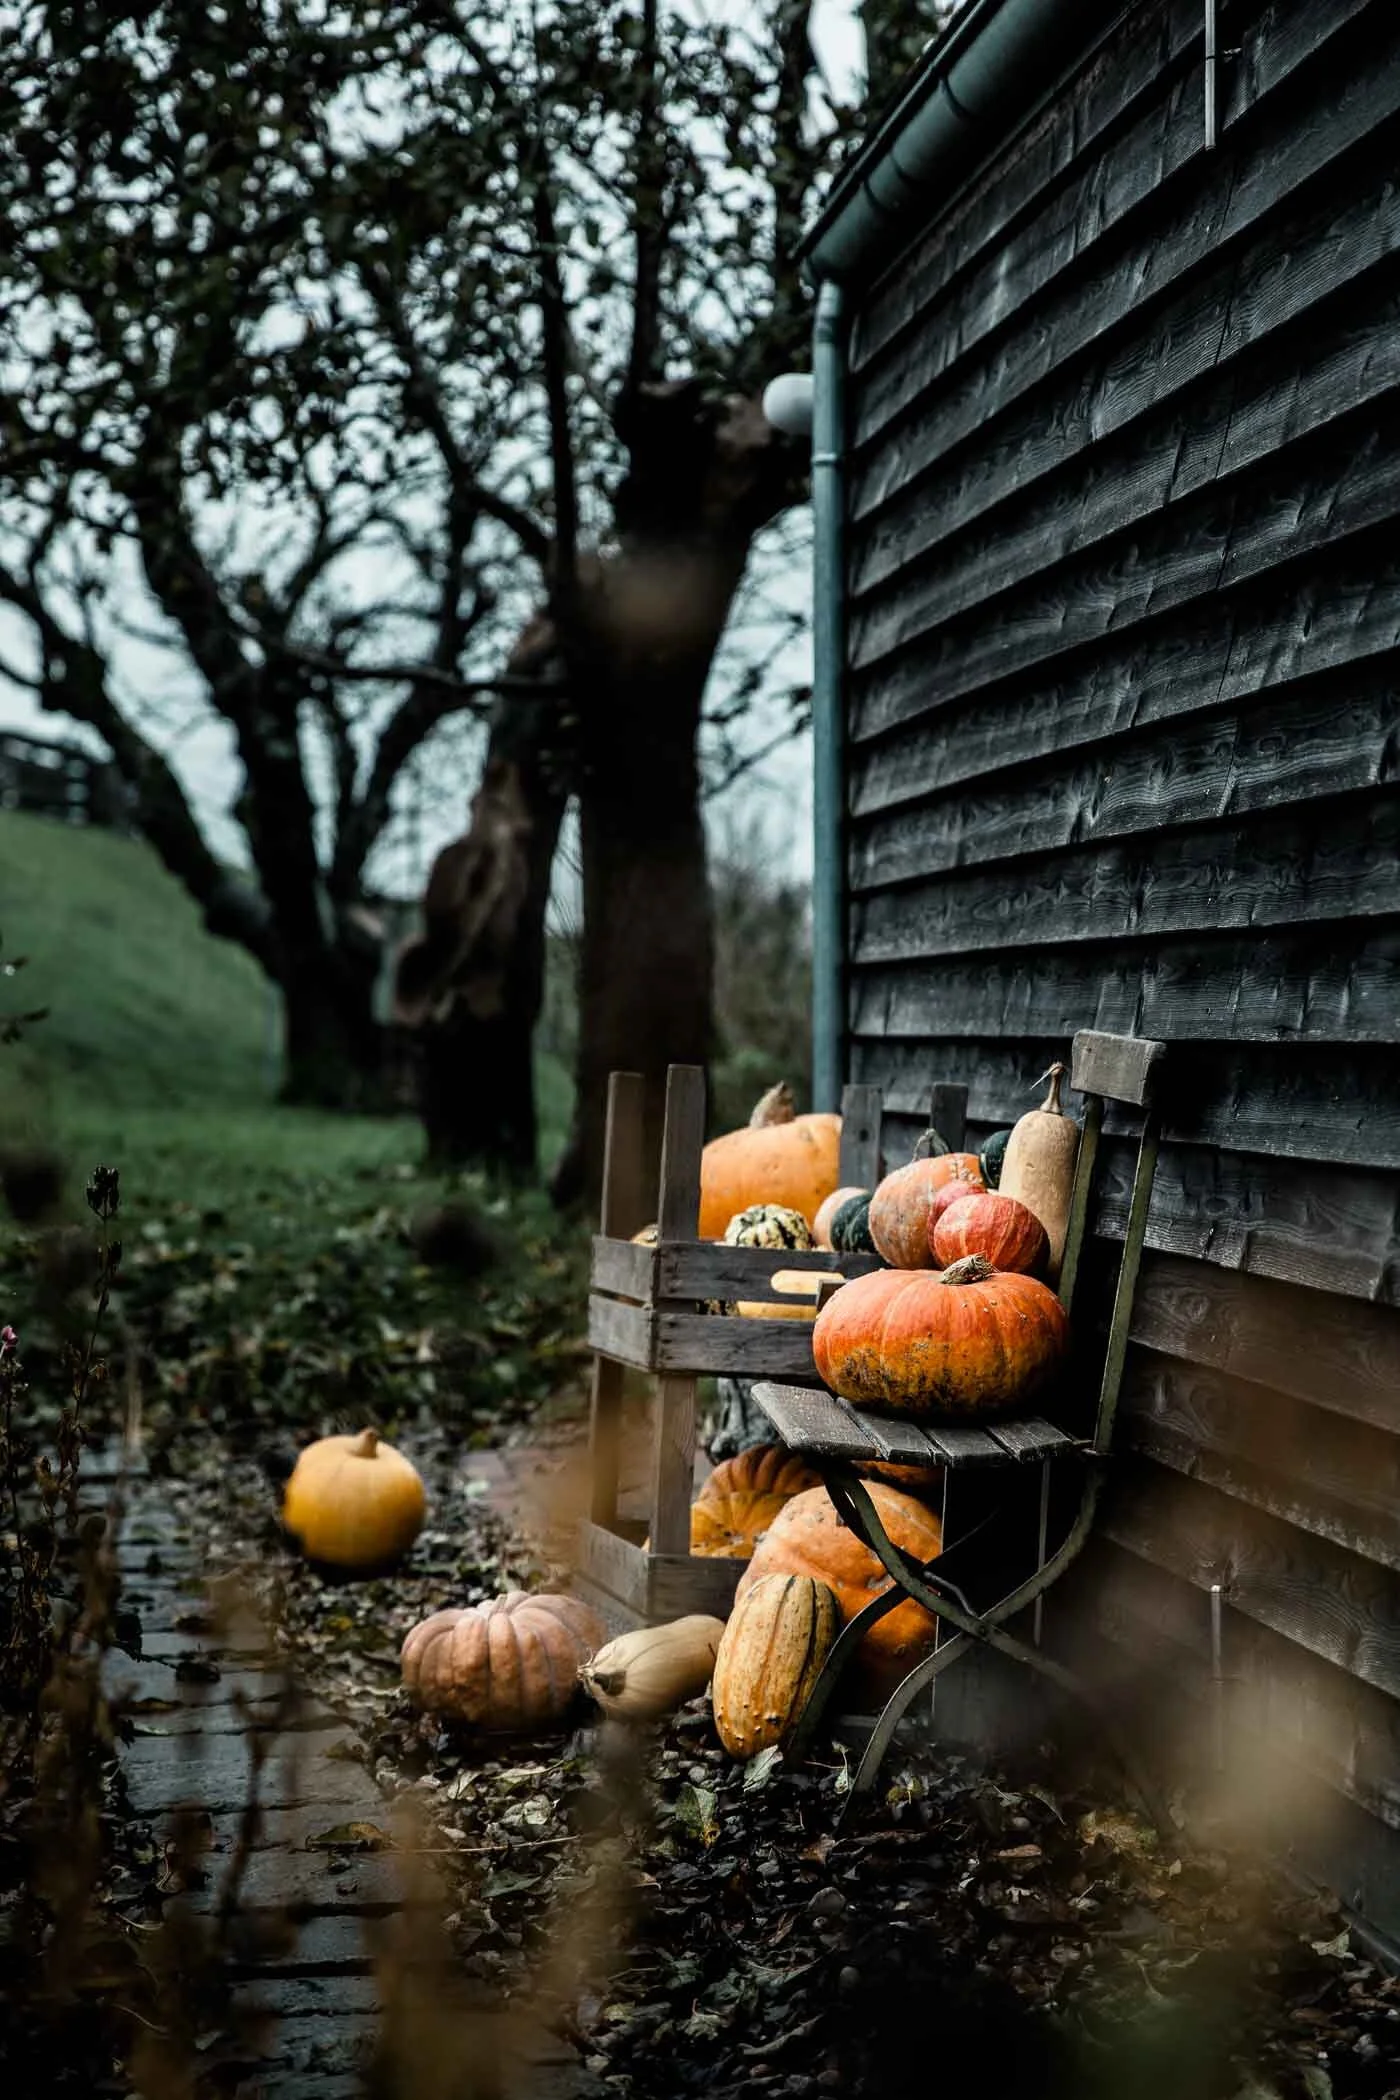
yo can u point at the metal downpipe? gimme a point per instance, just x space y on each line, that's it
828 697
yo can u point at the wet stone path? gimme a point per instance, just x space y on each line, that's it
319 1888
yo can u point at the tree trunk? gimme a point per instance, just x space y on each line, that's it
645 982
334 1053
472 987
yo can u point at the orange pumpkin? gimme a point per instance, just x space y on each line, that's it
808 1538
943 1199
821 1224
924 1481
899 1207
1003 1231
742 1498
967 1341
780 1158
510 1663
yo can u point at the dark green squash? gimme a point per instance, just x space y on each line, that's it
990 1158
850 1228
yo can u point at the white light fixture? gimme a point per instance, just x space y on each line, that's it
787 404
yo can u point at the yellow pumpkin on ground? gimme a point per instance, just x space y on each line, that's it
781 1158
353 1502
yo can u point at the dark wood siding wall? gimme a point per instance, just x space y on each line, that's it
1123 710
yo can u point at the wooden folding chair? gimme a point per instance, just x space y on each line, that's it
834 1437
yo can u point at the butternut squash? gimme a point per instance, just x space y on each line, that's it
1038 1169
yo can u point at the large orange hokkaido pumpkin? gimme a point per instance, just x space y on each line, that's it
963 1341
808 1538
899 1208
781 1158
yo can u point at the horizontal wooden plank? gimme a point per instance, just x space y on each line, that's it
1332 1602
707 1269
678 1584
1314 1101
1308 741
1074 273
623 1268
1319 1472
810 1419
615 1564
1333 624
1031 1441
708 1343
1338 1355
1334 984
625 1332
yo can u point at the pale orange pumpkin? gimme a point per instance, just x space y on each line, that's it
742 1497
966 1340
781 1158
509 1664
821 1224
353 1501
808 1538
899 1208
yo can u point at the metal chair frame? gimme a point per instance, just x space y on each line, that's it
1104 1068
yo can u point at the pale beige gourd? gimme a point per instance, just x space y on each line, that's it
1038 1169
769 1660
650 1672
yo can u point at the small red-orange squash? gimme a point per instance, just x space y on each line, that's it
742 1497
1003 1231
963 1342
808 1538
943 1199
899 1207
509 1664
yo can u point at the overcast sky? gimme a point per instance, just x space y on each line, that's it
773 802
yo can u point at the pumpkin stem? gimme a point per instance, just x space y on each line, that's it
973 1268
776 1106
1051 1105
932 1145
365 1444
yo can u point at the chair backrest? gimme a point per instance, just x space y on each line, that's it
1124 1069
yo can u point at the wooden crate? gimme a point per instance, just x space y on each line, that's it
646 1312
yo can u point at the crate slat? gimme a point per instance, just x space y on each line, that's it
731 1347
627 1332
628 1271
615 1564
709 1269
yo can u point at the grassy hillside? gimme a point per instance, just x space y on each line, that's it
144 1008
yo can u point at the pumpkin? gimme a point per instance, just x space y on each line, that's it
992 1157
900 1205
1038 1169
850 1228
943 1199
742 1497
651 1671
509 1664
649 1236
924 1481
821 1224
353 1502
780 1158
769 1225
967 1341
770 1657
808 1538
999 1228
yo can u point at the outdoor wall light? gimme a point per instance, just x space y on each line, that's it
787 404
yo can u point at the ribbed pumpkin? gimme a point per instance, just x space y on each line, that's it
742 1497
998 1228
770 1656
506 1665
780 1158
924 1481
899 1207
850 1227
808 1538
353 1501
944 1199
821 1224
965 1341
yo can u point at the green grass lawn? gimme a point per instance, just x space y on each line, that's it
268 1256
